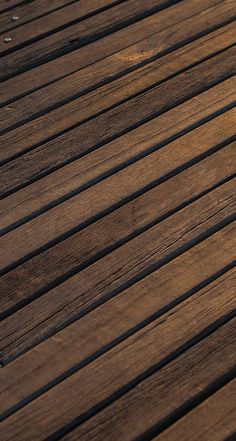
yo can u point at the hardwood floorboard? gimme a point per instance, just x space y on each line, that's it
138 305
167 24
30 11
117 220
80 174
154 399
213 420
121 367
122 118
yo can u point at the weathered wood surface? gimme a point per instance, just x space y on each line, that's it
117 217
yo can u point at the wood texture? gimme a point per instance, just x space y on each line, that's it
213 420
77 175
28 11
122 118
120 369
177 280
117 220
168 25
79 82
155 398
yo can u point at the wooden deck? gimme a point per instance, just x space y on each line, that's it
117 213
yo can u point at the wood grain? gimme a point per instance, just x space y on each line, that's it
213 420
156 398
32 10
76 84
45 192
170 29
169 285
127 361
71 37
121 119
112 273
120 187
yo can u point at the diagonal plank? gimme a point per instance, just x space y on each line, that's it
71 37
9 4
120 187
80 249
112 273
54 358
29 11
167 23
122 13
74 177
76 84
111 124
212 420
125 363
120 90
156 398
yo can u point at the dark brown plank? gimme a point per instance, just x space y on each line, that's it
121 186
34 9
128 360
157 397
82 247
166 22
78 174
213 420
29 107
69 38
125 265
103 128
7 4
67 349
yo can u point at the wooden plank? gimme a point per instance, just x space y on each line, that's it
29 11
213 420
82 247
7 4
127 361
157 397
62 352
76 175
112 273
72 37
121 89
120 187
166 22
91 134
68 18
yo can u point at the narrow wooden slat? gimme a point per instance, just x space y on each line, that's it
29 11
54 357
83 246
125 265
101 129
121 89
102 22
128 360
213 420
71 37
74 176
166 22
122 185
157 397
7 4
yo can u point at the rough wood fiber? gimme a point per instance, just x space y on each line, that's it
114 272
157 397
175 22
102 326
212 420
123 364
45 192
76 84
